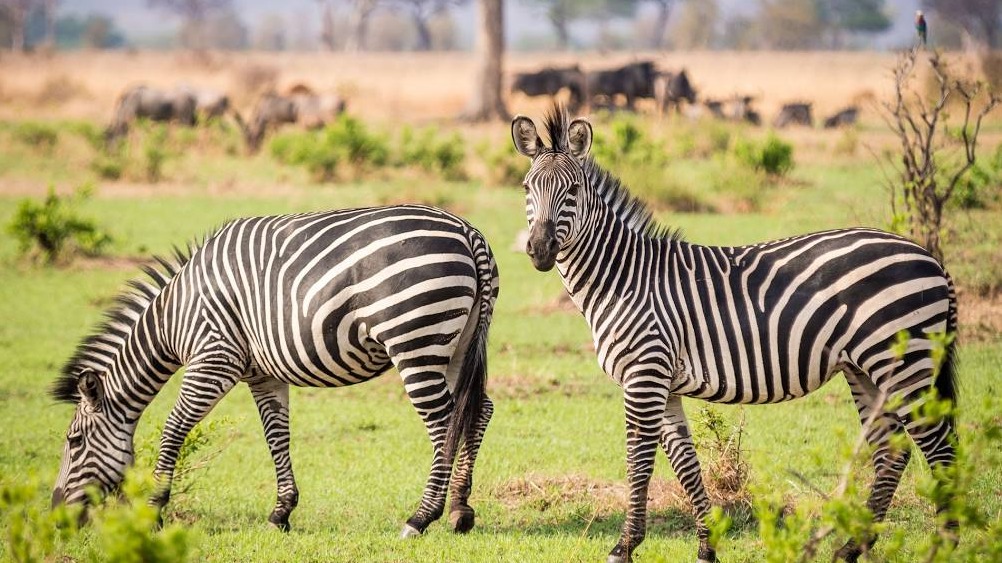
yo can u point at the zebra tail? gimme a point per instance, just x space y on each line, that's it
471 387
946 380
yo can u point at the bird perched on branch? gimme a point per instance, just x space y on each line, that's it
920 27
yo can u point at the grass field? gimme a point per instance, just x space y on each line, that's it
550 482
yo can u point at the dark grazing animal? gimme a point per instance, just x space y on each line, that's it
797 113
632 81
306 109
325 299
755 324
550 81
143 102
671 89
842 118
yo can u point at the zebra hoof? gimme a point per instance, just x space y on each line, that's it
281 523
409 532
462 519
617 559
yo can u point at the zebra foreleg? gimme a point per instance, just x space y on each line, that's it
272 398
677 443
645 403
200 391
430 396
889 460
461 515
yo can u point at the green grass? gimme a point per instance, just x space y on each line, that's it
361 454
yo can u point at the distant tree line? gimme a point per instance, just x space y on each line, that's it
420 25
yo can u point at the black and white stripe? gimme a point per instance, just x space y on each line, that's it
318 299
752 324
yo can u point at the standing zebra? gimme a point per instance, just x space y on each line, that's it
322 299
763 323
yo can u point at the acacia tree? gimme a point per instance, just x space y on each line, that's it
195 15
980 19
934 157
486 102
659 34
358 25
421 11
17 13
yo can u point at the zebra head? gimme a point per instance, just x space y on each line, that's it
98 446
553 193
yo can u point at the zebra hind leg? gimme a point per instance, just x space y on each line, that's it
677 443
937 442
202 388
426 387
272 399
889 460
461 515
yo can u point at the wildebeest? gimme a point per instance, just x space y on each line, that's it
302 107
670 89
632 81
737 108
209 103
550 81
796 113
143 102
844 117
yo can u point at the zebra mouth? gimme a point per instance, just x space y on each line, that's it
543 263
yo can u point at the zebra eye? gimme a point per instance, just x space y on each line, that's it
526 186
75 441
573 191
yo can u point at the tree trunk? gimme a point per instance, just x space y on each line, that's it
661 25
423 33
359 26
17 17
50 24
486 102
558 17
326 25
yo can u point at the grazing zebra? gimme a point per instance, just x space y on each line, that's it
763 323
323 299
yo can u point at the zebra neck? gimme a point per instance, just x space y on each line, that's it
143 363
607 261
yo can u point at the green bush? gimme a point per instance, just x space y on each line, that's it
502 165
350 138
428 151
773 156
155 151
306 150
121 530
109 165
53 227
38 135
629 145
345 141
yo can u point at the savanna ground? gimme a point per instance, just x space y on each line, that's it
550 480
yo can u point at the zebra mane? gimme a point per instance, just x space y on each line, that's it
97 351
630 209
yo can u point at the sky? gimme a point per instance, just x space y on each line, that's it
522 18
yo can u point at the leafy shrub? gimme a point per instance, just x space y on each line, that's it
773 156
109 165
848 142
502 165
345 141
425 149
53 227
155 151
122 530
196 452
33 534
629 145
305 149
38 135
350 138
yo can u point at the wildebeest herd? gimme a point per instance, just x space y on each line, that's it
188 106
619 88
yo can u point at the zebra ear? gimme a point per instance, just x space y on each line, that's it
90 389
523 134
579 137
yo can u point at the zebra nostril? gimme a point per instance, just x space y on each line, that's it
528 248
